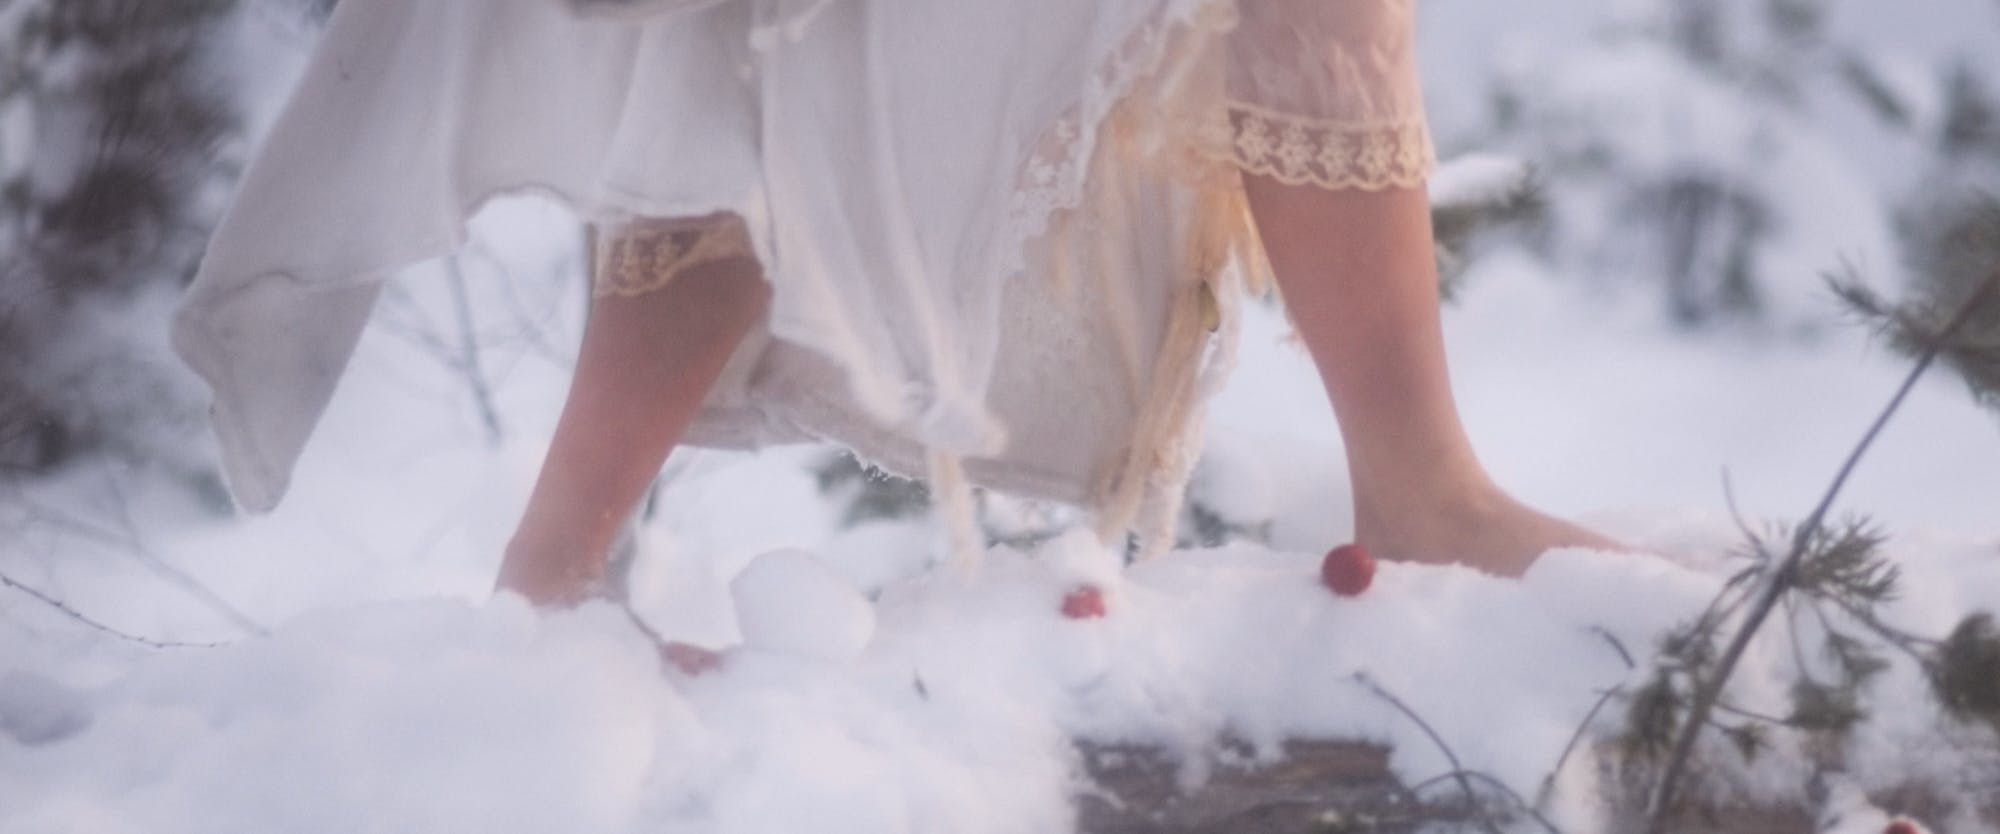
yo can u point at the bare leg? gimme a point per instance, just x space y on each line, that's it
647 362
1358 276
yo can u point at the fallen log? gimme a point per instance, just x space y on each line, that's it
1340 787
1317 787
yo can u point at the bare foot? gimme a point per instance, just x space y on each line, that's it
690 659
548 581
1489 530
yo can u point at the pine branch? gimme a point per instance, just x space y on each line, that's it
1909 644
1966 670
1786 574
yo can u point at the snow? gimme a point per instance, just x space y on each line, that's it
443 715
1477 179
867 689
36 710
787 602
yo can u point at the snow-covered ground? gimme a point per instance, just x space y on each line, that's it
875 695
393 696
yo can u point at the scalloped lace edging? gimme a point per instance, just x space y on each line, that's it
643 257
1331 154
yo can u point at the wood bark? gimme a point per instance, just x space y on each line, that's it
1345 787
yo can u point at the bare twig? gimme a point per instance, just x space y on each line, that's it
135 544
1548 788
456 347
531 327
1718 610
1792 630
127 538
1617 645
1499 787
1735 511
1781 579
1458 771
1549 782
1910 644
1740 712
79 616
468 363
403 317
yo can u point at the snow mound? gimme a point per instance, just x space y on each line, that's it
949 704
787 601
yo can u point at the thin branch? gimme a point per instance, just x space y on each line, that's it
1499 787
468 363
530 328
79 616
1792 630
1753 715
1549 783
401 316
126 538
1617 645
1457 768
1735 511
1782 578
1732 590
39 514
1909 644
136 545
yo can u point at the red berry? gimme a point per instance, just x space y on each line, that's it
1084 602
1902 827
1348 569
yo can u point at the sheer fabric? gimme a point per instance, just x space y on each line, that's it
1008 234
1310 92
1325 92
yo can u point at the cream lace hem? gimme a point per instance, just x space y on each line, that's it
645 255
1331 154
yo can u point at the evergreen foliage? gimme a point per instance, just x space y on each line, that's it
1743 162
1465 225
868 493
1834 596
1966 670
1950 227
1958 272
113 119
1836 574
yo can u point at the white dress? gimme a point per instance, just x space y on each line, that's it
1002 232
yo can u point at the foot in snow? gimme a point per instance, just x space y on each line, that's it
1488 530
690 659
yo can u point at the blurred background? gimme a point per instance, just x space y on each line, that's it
1643 308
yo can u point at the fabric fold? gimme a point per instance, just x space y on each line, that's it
985 223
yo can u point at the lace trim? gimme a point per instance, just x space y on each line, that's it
645 256
1053 178
1331 154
